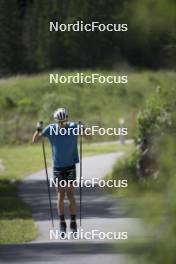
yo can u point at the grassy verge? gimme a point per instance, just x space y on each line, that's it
15 218
15 163
94 104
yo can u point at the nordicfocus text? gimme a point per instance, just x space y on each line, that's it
82 78
88 131
81 26
89 183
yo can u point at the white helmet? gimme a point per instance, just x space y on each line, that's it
60 114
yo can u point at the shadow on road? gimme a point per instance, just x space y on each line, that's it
95 202
68 252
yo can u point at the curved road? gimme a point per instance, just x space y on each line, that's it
100 211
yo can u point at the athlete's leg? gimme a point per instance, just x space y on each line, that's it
71 197
60 207
60 200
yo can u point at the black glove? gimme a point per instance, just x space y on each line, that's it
39 126
81 125
81 128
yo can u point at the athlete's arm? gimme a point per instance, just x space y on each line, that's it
38 133
36 136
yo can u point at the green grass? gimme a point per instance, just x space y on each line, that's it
15 218
33 98
96 148
17 231
18 161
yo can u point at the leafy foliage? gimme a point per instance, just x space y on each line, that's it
153 175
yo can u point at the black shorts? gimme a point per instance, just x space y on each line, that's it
67 174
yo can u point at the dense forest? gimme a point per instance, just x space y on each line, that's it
27 45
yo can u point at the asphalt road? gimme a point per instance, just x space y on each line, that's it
100 212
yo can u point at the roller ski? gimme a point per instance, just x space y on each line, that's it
63 229
73 227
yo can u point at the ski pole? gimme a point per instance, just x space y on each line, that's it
80 189
47 181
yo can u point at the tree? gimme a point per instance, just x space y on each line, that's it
11 50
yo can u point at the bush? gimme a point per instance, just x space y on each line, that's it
156 166
126 168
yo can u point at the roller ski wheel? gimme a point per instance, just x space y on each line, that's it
63 229
73 227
